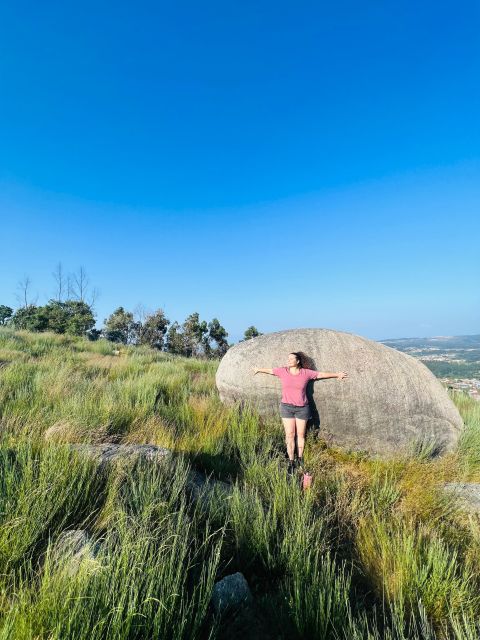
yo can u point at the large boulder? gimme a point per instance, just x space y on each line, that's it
388 403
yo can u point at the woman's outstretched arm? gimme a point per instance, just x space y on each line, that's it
325 374
255 370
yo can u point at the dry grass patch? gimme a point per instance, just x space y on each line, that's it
12 355
103 361
67 432
153 430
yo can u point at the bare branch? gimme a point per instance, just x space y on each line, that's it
80 284
23 292
93 297
59 278
69 287
140 313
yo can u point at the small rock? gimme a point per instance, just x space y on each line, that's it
231 593
74 547
72 542
204 488
467 492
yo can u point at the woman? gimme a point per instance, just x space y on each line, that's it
294 408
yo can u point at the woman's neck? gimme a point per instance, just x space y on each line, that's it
294 370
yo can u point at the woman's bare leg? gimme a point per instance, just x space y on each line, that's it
301 428
289 425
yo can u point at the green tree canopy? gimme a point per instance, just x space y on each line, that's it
251 332
5 313
195 333
80 317
31 318
218 334
152 331
121 327
175 342
72 316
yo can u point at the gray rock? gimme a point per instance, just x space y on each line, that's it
110 452
231 593
72 542
389 401
73 548
466 493
203 488
200 487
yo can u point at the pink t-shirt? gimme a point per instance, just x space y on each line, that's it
293 386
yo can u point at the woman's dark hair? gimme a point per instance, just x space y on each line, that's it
300 357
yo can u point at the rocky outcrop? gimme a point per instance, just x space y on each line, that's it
110 452
389 401
199 486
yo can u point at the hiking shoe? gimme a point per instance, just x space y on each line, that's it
300 464
291 467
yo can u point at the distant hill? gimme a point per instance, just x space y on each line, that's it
445 356
439 342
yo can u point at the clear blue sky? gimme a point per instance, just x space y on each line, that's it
272 163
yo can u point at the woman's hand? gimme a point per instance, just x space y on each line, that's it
341 375
255 370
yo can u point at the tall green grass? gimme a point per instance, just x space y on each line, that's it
152 576
42 491
408 565
469 446
373 550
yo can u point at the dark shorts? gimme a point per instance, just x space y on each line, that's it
293 411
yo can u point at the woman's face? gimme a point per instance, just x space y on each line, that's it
292 360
